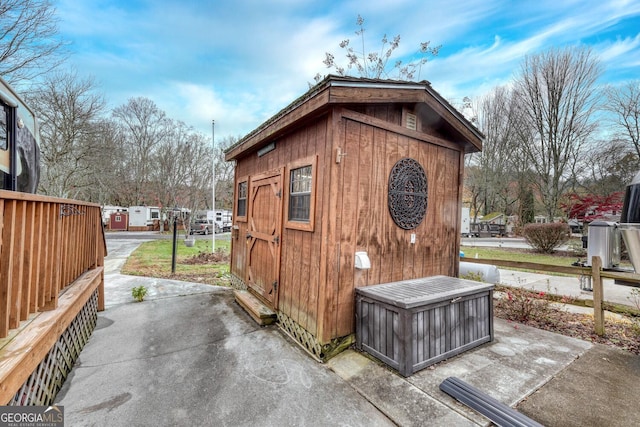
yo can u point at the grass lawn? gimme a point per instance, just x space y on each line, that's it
558 258
523 255
197 264
193 264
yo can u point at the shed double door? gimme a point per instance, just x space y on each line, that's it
263 235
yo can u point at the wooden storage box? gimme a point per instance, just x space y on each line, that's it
412 324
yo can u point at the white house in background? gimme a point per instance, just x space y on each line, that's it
542 219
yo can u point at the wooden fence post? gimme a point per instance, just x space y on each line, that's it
598 295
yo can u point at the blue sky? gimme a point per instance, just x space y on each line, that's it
241 61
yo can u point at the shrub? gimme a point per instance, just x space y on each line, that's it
546 237
634 297
523 305
139 293
575 247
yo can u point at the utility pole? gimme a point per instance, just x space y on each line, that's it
213 183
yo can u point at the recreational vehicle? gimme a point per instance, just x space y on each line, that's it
19 138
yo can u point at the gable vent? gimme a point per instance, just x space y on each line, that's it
411 121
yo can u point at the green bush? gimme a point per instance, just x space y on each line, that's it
546 237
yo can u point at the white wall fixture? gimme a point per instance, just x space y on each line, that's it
362 261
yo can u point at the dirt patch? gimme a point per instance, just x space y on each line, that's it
207 258
534 309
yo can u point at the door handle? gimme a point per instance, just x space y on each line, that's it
249 235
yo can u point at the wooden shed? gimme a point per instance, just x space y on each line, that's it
358 182
119 221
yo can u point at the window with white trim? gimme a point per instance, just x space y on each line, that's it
300 183
242 200
300 200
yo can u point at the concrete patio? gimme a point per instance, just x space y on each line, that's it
190 355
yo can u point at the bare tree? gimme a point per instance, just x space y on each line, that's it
197 190
29 42
107 163
555 92
610 166
496 162
162 162
69 110
199 174
171 158
182 175
143 127
623 102
474 187
225 174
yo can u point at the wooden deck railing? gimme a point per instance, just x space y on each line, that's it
46 244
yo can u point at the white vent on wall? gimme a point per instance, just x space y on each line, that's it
411 121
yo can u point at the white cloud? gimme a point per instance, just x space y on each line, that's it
622 49
241 62
200 104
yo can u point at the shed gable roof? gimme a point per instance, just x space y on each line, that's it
336 90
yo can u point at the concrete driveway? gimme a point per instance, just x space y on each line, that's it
189 355
200 360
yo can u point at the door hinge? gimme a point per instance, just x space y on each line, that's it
275 286
279 193
276 240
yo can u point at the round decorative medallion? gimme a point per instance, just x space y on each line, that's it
407 193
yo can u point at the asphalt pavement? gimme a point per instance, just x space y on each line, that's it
497 242
189 355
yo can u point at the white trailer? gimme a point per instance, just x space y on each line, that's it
223 219
142 217
465 226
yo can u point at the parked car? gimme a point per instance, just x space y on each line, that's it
484 229
203 226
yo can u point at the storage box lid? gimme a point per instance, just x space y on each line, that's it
426 290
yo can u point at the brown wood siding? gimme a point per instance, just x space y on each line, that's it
362 211
327 295
317 275
300 250
238 250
